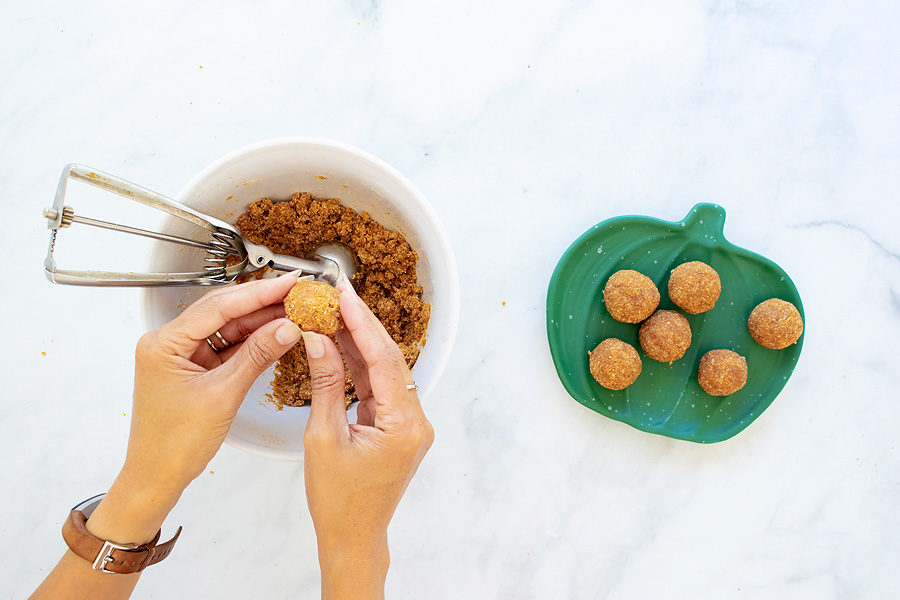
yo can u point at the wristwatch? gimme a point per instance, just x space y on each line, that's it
106 556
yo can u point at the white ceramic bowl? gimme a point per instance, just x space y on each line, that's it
277 169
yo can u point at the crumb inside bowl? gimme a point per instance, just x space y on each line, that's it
278 169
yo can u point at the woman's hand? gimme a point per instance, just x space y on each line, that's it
357 473
186 396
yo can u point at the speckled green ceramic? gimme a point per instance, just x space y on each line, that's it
667 399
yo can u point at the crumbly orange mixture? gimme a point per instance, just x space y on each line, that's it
385 277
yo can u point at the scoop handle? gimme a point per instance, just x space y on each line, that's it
325 269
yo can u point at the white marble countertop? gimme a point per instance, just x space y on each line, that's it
540 121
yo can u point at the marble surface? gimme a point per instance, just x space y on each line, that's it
524 123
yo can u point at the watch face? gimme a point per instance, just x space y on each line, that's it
88 506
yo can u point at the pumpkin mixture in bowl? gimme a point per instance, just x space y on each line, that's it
385 278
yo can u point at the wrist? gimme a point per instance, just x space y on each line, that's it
355 568
133 510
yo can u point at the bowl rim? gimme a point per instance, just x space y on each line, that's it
442 240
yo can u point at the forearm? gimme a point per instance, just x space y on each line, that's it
356 571
130 513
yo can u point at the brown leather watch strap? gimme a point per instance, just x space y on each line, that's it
110 557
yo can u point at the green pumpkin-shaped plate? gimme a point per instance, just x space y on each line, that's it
667 399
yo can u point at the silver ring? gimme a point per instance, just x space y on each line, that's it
225 343
412 386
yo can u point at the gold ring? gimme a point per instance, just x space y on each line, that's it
225 343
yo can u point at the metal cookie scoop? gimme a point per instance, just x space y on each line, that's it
331 260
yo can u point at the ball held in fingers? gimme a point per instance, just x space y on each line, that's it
314 306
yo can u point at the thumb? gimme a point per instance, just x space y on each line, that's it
328 410
260 350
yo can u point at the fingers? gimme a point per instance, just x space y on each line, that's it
234 332
258 352
387 371
355 360
211 312
365 409
374 344
356 365
328 410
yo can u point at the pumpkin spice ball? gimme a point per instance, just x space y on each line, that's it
314 306
615 364
694 287
722 372
630 297
775 324
665 336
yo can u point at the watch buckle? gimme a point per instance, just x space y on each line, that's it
105 555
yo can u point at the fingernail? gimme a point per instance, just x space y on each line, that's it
346 286
314 346
297 273
287 333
